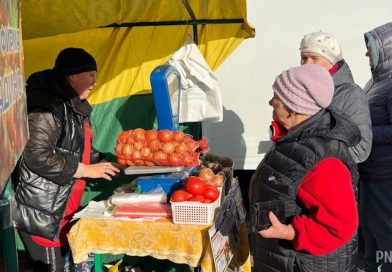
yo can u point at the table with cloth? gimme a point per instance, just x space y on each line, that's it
161 239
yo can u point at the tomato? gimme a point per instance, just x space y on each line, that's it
211 193
180 195
195 185
199 198
206 174
165 135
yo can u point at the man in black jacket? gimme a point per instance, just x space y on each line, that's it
58 156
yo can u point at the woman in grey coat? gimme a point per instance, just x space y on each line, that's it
376 172
323 49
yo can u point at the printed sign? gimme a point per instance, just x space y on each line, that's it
13 111
224 234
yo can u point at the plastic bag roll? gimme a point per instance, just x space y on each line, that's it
138 198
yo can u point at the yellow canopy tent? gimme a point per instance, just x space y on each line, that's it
128 39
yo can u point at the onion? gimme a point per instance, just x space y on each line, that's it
206 174
218 180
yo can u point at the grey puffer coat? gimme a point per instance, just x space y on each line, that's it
351 100
377 168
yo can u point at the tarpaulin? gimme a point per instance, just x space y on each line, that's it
128 39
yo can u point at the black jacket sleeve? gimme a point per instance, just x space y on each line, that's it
95 155
41 154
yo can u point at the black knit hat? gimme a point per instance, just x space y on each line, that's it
74 61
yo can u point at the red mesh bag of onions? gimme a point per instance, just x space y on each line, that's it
152 147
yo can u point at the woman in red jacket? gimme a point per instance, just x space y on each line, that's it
304 213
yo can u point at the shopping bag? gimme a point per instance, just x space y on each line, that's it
200 95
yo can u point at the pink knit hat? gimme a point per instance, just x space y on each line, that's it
305 89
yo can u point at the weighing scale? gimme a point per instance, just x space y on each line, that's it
165 83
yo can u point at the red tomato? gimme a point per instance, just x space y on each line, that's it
195 185
211 193
180 195
165 135
199 198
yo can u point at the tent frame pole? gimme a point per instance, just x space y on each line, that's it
193 22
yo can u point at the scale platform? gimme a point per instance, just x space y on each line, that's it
135 170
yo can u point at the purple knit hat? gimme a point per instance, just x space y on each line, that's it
305 89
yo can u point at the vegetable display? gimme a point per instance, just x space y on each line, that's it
200 188
152 147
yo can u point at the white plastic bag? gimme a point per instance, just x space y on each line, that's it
201 98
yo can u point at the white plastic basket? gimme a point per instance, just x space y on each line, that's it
195 213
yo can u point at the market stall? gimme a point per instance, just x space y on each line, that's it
129 40
208 234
